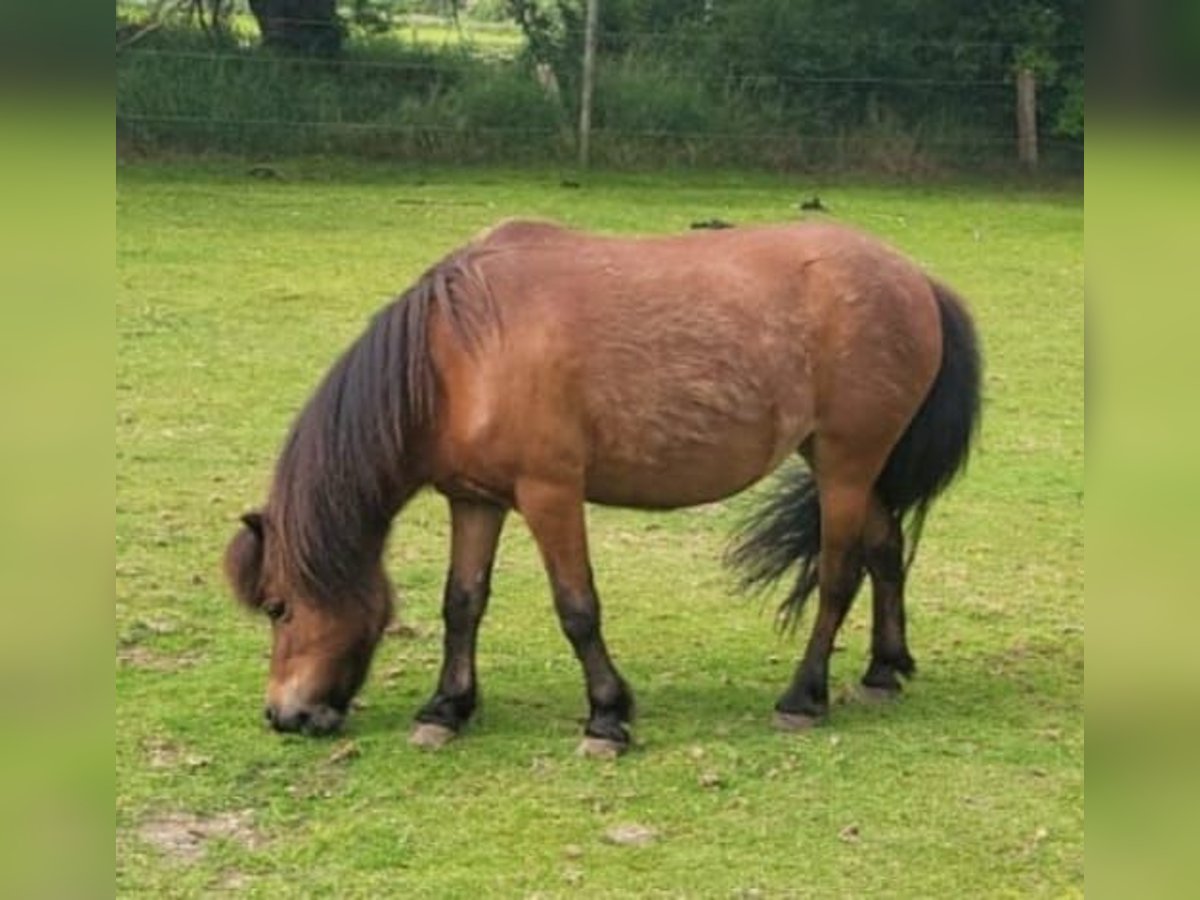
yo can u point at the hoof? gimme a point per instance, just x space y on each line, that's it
431 736
871 694
793 721
600 748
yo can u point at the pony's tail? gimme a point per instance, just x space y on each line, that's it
786 530
783 532
935 446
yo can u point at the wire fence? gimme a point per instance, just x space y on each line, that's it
445 101
416 129
451 64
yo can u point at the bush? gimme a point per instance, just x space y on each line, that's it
639 96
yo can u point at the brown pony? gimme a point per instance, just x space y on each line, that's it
540 368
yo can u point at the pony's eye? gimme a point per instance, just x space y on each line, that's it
274 609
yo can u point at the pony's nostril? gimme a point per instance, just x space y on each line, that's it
317 720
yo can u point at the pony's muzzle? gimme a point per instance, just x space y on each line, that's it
315 720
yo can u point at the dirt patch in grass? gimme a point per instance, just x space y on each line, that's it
135 656
185 836
233 881
631 834
164 754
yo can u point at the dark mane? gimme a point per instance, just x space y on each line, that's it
352 456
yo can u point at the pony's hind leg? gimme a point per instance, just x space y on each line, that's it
883 551
474 532
843 515
555 516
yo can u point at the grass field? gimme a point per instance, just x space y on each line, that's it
501 39
235 293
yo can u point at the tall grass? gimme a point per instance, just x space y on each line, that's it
382 98
394 99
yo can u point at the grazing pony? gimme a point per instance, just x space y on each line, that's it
539 368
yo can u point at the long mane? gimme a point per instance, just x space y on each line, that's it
352 457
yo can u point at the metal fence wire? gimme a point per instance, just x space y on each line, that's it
402 98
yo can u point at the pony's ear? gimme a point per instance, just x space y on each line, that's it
243 560
254 521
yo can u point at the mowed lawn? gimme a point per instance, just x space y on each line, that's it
234 295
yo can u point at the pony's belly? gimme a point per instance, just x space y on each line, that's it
646 490
668 478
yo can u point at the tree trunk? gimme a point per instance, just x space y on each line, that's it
301 26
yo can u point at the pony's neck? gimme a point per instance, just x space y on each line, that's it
354 458
333 522
359 450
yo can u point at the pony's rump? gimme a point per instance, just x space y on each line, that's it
785 531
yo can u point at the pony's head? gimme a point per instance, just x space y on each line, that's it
311 560
321 647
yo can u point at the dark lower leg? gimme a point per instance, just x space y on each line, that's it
889 652
840 569
884 554
555 515
454 700
475 531
808 694
609 699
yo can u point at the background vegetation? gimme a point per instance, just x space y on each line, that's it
906 87
233 296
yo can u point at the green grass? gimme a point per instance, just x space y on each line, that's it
489 38
234 294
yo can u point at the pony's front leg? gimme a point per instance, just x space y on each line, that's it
474 533
555 516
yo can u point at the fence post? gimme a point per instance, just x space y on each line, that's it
1027 137
589 75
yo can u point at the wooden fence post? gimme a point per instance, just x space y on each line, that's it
589 76
1027 137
